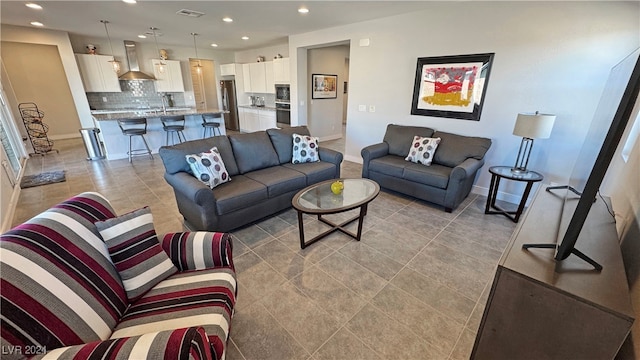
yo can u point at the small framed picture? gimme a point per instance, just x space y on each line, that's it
324 86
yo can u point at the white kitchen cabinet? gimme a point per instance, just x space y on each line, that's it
249 119
256 119
281 71
269 78
228 70
267 119
246 79
171 79
97 73
258 77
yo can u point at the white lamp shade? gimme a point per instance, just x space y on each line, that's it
534 126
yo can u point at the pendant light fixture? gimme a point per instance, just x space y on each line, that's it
199 66
115 64
160 65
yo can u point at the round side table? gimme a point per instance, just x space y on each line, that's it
500 172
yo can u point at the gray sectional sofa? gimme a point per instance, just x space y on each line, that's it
446 182
263 179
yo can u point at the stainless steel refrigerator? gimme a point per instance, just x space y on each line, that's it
230 104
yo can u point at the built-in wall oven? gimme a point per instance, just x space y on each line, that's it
283 114
283 107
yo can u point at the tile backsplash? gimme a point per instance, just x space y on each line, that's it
135 94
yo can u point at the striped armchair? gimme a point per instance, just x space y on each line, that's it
62 297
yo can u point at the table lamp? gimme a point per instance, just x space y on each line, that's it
530 126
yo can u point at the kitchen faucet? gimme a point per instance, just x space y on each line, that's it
164 108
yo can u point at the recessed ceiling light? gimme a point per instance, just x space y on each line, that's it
34 6
245 38
214 45
129 1
227 19
303 10
142 36
37 23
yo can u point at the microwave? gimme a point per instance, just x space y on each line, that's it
282 93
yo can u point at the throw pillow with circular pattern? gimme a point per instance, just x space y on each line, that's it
422 150
208 167
305 149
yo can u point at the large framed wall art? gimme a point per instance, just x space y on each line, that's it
324 86
451 86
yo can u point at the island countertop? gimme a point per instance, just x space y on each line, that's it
116 145
152 113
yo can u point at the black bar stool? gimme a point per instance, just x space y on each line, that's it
173 125
209 123
135 127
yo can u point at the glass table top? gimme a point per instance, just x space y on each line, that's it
320 199
506 172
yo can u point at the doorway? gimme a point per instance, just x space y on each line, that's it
205 87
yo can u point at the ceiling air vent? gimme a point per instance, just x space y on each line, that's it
190 13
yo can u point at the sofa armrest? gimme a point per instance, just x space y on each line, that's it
329 155
190 187
372 152
467 169
184 343
199 250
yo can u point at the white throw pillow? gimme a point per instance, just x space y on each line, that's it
422 150
305 149
209 168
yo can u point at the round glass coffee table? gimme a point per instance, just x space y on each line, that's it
318 199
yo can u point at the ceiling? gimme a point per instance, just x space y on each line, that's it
264 22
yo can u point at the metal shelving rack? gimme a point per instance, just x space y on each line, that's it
36 128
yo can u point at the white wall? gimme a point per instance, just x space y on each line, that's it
61 40
551 57
269 52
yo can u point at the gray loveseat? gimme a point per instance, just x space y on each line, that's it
446 182
263 179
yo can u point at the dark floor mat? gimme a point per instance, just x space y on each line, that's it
42 179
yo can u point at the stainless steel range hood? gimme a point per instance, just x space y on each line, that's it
134 72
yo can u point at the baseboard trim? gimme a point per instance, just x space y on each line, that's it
64 137
355 159
330 137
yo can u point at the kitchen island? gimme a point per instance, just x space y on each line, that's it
116 144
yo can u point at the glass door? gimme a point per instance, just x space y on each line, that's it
12 145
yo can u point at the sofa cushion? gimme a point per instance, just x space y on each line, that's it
59 286
240 193
314 172
305 149
253 151
195 298
389 165
422 150
455 149
209 168
279 179
434 175
283 142
173 157
399 137
136 251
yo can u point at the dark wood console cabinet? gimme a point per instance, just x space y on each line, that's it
542 309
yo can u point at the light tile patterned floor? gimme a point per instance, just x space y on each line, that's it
413 288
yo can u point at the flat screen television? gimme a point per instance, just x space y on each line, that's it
609 122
